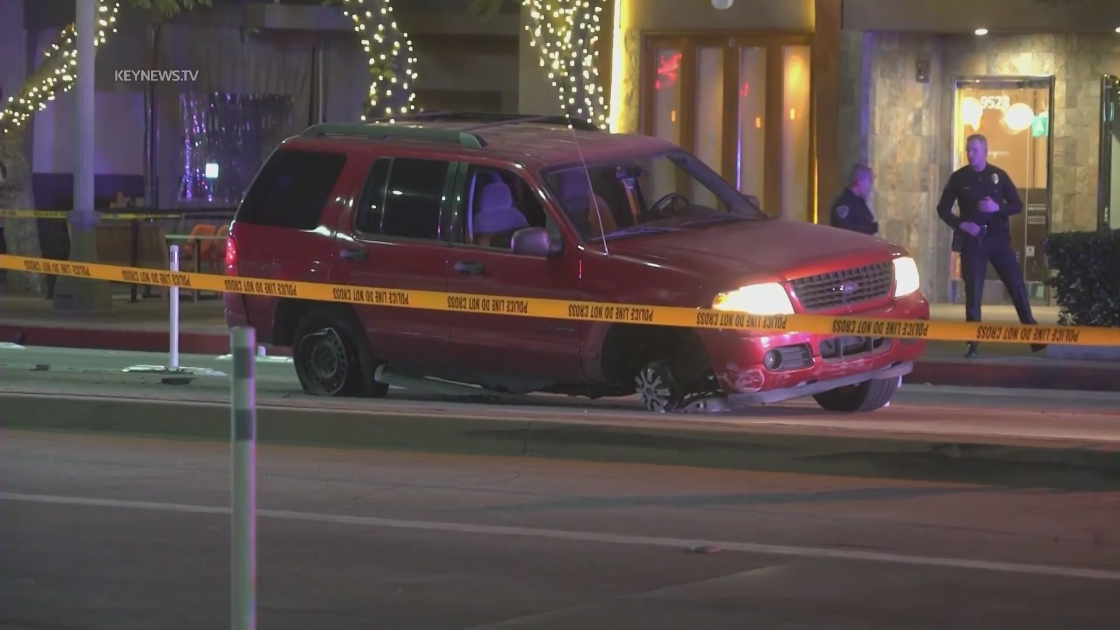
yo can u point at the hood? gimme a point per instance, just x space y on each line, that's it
776 247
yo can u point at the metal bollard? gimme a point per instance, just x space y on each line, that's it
173 365
243 401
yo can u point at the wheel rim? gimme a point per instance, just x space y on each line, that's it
654 388
325 362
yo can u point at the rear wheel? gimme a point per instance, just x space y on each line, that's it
864 397
332 357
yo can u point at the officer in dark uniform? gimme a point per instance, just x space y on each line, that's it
850 210
985 197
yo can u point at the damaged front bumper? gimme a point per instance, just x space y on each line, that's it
811 386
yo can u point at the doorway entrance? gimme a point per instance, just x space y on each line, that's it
742 104
1013 113
1109 163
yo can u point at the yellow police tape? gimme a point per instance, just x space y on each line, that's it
576 310
62 214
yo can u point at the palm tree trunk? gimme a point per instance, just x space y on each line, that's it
21 236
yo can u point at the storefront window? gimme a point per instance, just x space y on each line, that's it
742 105
709 116
751 156
666 110
795 131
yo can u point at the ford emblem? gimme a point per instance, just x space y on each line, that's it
848 288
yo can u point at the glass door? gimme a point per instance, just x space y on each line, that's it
1013 113
1109 176
742 105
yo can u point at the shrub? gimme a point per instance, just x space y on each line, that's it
1085 275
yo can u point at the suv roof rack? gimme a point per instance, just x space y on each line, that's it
388 132
493 119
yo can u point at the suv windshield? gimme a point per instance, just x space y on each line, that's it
648 195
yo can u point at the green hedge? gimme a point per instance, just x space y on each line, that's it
1087 282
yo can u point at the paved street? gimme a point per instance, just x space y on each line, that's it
108 532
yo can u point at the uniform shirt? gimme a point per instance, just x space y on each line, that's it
966 187
850 212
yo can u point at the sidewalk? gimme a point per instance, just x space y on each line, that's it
143 327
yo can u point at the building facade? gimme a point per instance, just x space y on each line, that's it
784 96
915 83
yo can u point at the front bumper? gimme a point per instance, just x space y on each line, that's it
811 387
811 363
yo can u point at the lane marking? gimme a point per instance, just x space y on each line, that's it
590 537
531 618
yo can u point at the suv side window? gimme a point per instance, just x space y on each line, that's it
292 189
371 208
414 198
497 203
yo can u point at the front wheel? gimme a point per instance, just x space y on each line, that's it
657 388
864 397
332 357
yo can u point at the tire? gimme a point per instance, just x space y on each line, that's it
332 357
657 388
864 397
667 384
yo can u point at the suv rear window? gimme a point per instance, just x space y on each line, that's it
292 189
415 198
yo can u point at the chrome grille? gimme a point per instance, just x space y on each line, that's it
843 288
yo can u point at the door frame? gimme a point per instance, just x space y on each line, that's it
772 41
457 245
1010 80
1109 118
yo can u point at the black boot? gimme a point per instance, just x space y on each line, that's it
971 352
1036 347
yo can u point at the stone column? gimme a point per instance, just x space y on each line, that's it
855 107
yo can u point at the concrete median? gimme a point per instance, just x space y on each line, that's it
1061 464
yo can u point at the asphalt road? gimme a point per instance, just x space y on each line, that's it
116 533
949 412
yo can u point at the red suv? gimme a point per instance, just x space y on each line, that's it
510 205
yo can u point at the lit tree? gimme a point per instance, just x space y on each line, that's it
565 34
52 77
392 86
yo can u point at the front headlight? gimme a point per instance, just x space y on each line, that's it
906 279
769 298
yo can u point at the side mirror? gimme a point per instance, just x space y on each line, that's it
535 241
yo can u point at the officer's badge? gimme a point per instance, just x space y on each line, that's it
842 212
995 178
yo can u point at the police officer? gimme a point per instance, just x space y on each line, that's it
850 210
985 197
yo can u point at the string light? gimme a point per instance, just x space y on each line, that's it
565 33
390 63
58 71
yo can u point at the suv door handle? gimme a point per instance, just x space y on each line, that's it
472 268
354 254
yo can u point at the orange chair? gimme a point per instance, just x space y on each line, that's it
187 250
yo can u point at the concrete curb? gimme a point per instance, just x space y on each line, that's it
1024 373
1058 465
